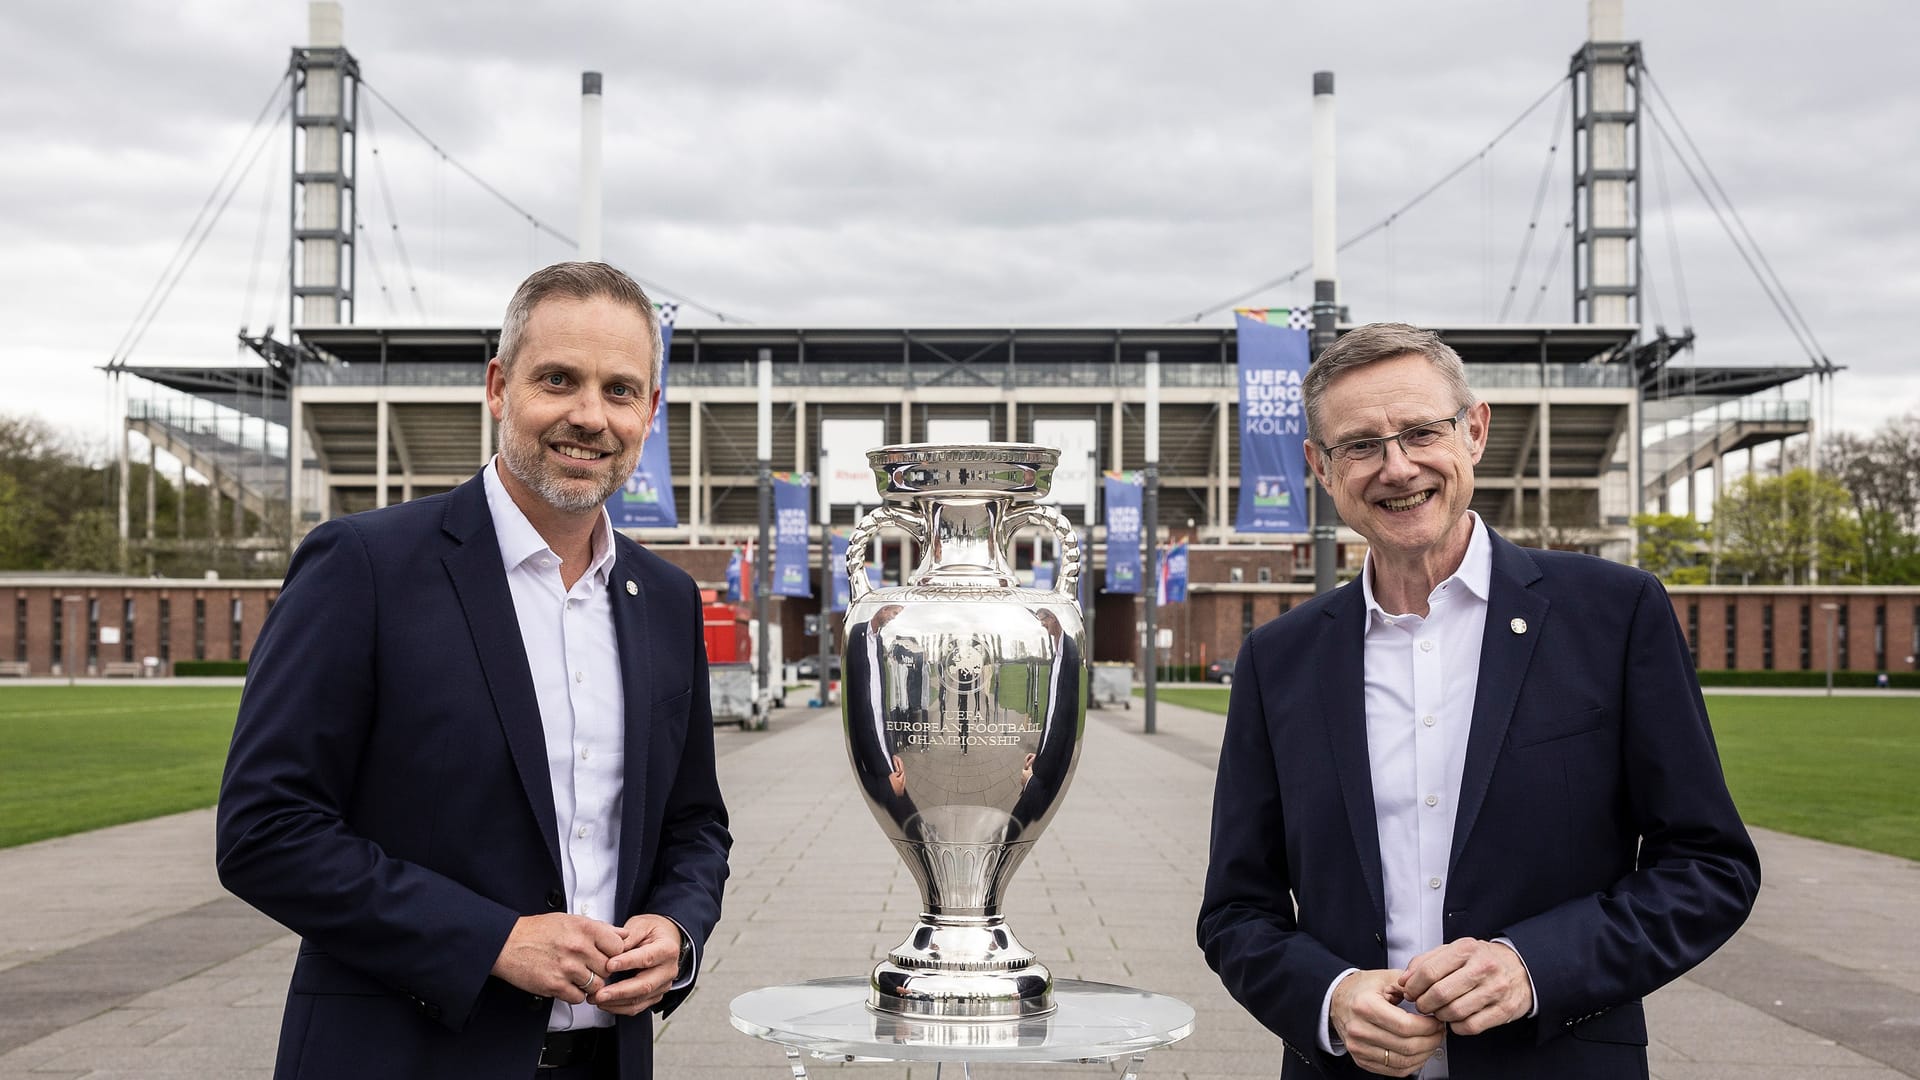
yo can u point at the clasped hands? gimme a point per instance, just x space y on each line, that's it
575 959
1467 986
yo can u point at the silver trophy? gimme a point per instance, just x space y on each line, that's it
964 701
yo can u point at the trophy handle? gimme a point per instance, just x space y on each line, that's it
863 534
1067 585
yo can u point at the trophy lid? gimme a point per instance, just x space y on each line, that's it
963 469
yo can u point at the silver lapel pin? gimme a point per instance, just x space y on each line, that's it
1518 626
634 590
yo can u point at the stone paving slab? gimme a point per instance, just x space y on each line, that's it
1109 895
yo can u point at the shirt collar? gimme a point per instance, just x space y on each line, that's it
520 541
1474 574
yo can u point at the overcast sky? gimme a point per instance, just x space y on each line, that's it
874 162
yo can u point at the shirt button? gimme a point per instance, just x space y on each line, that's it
1426 646
1427 720
579 676
1433 883
582 831
1433 800
585 753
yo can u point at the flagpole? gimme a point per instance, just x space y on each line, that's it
760 573
826 576
1086 565
1150 531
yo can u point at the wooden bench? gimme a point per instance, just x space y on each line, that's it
122 669
16 668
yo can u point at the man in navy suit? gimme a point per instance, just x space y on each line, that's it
1469 810
473 766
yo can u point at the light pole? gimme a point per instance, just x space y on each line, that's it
1832 641
1326 307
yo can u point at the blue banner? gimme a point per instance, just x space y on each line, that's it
1123 532
1173 575
837 555
837 546
1043 575
1273 423
791 571
645 501
733 577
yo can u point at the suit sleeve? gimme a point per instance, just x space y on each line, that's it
1276 971
284 843
1697 873
691 871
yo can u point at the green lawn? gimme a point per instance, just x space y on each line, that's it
1839 769
78 758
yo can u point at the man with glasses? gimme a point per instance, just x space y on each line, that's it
1469 810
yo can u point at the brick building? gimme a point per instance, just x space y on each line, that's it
87 625
110 626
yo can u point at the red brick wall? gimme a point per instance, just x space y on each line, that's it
1207 627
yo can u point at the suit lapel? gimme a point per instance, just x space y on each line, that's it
628 598
480 581
1504 655
1338 671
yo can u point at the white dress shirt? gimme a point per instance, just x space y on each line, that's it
574 657
1421 673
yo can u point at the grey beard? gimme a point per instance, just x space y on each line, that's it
522 458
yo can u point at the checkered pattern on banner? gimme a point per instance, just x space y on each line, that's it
668 309
1299 318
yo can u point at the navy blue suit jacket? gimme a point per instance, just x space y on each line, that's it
1594 827
386 795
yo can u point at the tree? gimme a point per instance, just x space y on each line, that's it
1775 530
1882 474
89 540
16 525
1671 547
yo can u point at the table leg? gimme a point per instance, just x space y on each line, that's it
1134 1065
797 1063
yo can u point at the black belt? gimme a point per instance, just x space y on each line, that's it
577 1047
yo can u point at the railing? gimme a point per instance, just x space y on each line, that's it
399 373
1706 423
1578 376
214 428
985 374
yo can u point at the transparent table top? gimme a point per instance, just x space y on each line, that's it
1091 1022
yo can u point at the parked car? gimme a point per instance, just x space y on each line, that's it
808 667
1220 671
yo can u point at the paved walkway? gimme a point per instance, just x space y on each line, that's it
121 957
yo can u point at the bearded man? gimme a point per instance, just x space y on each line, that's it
473 766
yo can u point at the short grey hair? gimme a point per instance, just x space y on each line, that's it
577 281
1380 341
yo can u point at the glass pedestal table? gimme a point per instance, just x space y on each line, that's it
1092 1024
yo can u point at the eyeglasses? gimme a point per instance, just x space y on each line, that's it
1374 447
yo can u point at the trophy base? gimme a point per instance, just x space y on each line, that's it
961 969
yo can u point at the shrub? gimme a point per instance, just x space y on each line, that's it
209 667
